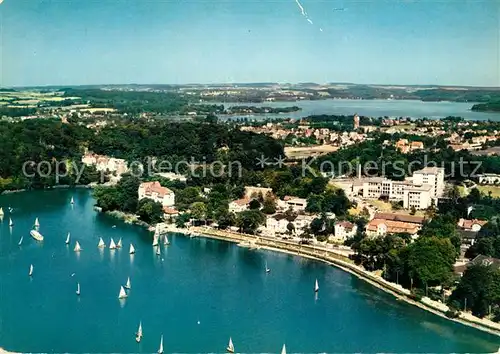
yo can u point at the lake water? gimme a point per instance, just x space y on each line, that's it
222 286
375 108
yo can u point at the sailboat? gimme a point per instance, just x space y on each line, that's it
20 241
1 211
119 244
112 245
77 247
160 350
37 223
128 285
11 223
166 242
78 289
138 335
31 270
316 286
122 294
132 249
72 201
67 238
101 243
283 350
267 269
230 346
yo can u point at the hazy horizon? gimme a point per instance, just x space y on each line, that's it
181 42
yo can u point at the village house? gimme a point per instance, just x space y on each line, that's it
239 205
343 230
473 225
255 192
155 191
389 223
170 213
105 163
295 204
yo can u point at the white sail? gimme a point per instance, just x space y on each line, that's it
128 285
20 241
37 223
11 223
160 350
78 289
165 241
283 350
1 211
230 346
112 245
77 247
31 270
138 335
155 240
132 249
101 243
72 201
122 294
267 269
67 238
316 286
119 244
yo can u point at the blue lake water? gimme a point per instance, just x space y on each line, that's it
375 108
222 286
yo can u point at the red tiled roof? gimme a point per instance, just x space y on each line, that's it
155 187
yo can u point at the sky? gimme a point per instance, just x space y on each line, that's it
79 42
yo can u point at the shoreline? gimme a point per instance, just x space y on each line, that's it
338 260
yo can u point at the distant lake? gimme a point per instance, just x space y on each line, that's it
198 293
373 108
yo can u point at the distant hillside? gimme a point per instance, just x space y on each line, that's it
493 106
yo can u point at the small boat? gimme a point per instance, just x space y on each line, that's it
166 242
36 235
230 346
122 294
160 350
283 350
112 245
11 223
20 241
101 243
267 269
316 286
128 285
78 289
119 244
158 252
77 247
138 335
113 227
37 223
67 238
1 212
31 270
132 249
72 200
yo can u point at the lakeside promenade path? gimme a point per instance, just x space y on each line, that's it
338 258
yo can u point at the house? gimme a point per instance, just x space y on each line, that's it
486 261
471 225
155 191
106 163
277 225
344 230
391 223
170 213
239 205
255 192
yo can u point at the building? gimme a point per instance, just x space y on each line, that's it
255 192
356 121
418 197
344 230
155 191
296 204
390 223
239 205
170 213
105 163
488 178
471 225
172 176
433 176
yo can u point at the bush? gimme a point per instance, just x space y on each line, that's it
451 313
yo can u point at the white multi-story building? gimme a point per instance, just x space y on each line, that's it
433 176
344 230
155 191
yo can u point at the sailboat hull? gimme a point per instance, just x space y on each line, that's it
229 350
36 235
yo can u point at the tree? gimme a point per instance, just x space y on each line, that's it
269 205
480 285
182 219
226 220
254 204
198 210
249 220
431 260
290 227
150 211
128 196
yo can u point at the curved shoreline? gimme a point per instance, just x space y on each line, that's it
338 260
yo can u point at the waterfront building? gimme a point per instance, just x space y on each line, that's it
106 163
170 213
239 205
343 230
390 223
155 191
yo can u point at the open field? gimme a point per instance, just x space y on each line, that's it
308 151
495 190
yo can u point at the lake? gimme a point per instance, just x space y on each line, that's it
198 293
373 108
